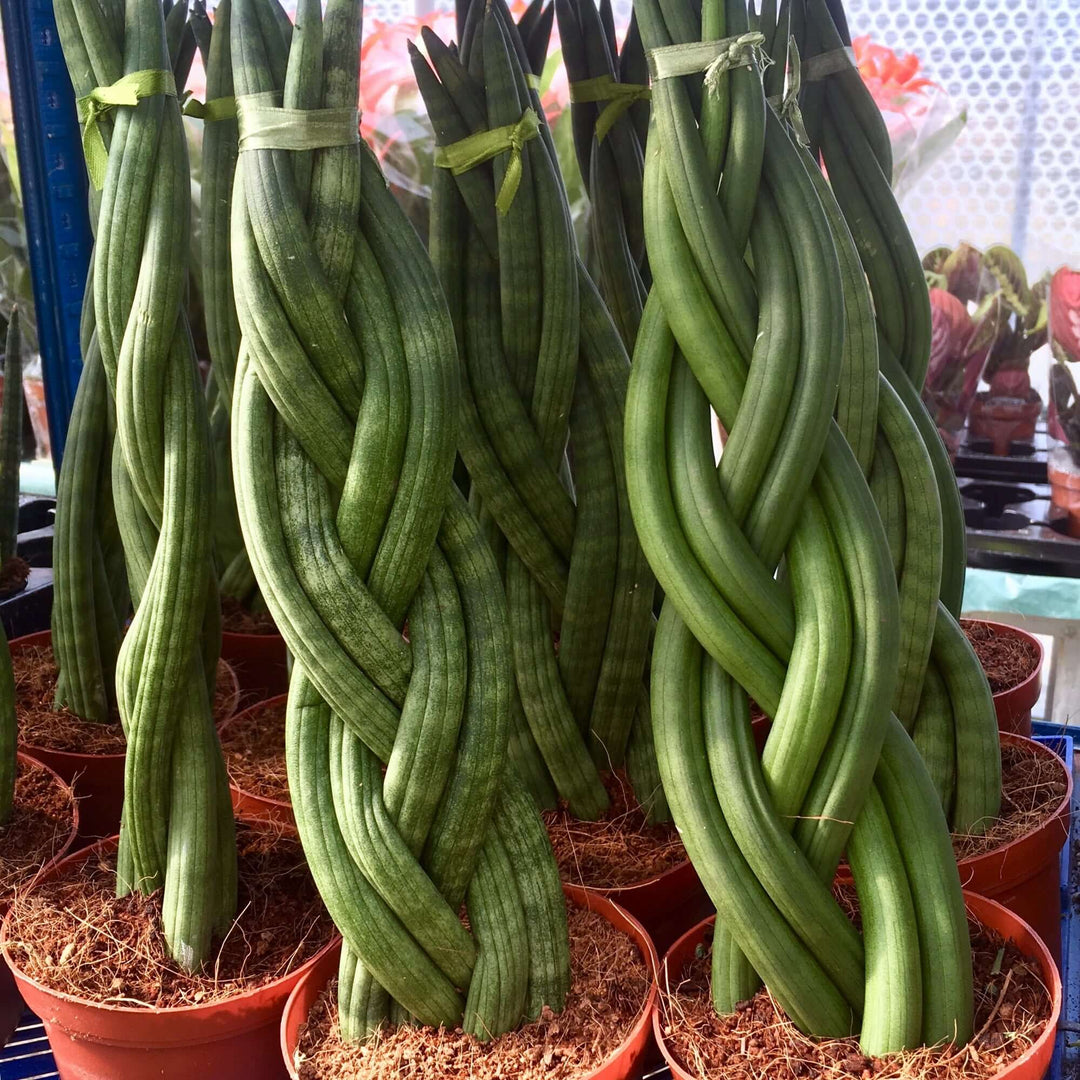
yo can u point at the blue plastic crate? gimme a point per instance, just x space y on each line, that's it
27 1056
1066 1060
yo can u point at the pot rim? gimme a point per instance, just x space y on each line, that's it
276 804
582 897
110 843
978 907
1016 631
40 637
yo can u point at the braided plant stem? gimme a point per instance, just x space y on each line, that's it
344 431
943 698
542 362
90 593
177 829
767 352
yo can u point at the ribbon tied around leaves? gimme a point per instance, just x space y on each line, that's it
715 58
129 91
618 97
475 149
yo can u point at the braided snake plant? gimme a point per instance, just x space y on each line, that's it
761 311
345 425
543 363
140 377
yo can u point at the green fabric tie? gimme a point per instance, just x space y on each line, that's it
617 95
265 125
713 57
828 63
222 108
532 81
475 149
102 99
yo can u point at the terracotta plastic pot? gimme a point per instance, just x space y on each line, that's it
233 1039
98 779
11 1002
1024 874
623 1063
249 807
260 662
1065 493
1031 1065
1013 706
1004 420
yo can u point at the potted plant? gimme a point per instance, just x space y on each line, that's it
883 729
181 999
1010 323
571 559
354 528
1063 464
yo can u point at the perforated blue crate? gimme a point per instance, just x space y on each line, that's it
27 1055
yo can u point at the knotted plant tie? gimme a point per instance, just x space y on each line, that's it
222 108
475 149
618 97
129 91
828 63
787 103
713 57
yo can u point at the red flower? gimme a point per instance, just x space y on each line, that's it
1064 314
888 76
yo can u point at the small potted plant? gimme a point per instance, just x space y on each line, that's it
1063 462
1010 317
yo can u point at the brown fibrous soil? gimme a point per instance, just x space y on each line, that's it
74 935
237 619
1007 660
758 1041
1033 784
39 827
610 983
254 747
618 849
40 724
14 573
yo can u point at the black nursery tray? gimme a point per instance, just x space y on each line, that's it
1025 463
1014 526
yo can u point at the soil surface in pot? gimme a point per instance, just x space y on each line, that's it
237 619
608 991
14 573
77 937
1006 659
40 825
254 747
1032 787
758 1041
621 848
59 729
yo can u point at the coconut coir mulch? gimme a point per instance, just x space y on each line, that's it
620 848
77 937
254 747
59 729
1007 660
1032 787
40 825
758 1041
14 573
607 994
237 619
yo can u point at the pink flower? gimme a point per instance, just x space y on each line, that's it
1064 314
